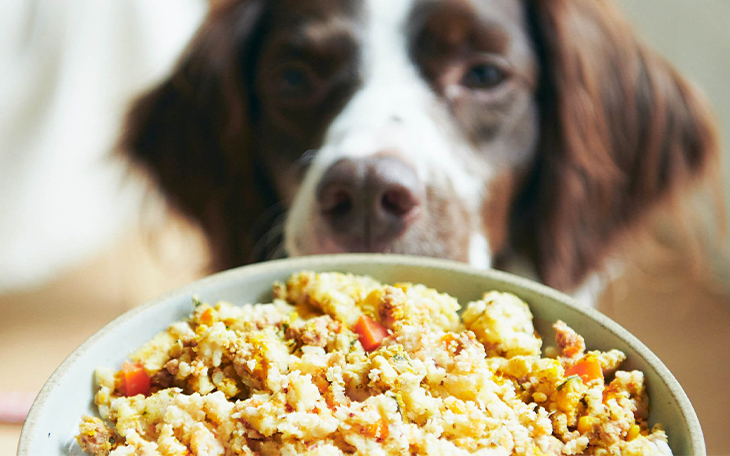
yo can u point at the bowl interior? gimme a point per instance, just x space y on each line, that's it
68 394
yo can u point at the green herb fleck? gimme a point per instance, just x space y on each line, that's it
566 381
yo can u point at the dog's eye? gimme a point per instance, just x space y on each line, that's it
295 81
483 76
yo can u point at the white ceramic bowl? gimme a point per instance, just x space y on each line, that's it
53 420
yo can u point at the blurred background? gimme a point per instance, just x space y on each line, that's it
81 241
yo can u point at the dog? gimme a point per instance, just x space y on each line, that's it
529 136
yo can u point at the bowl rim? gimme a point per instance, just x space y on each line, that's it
691 421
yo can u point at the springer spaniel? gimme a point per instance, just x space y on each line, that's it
524 134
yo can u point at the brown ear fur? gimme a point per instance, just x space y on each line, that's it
621 131
191 133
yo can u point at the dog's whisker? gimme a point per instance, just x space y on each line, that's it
270 239
306 158
280 219
266 239
279 252
267 217
260 249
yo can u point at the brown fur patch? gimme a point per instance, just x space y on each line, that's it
620 133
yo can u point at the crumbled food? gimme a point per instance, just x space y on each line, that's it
341 364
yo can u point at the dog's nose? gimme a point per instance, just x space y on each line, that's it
369 202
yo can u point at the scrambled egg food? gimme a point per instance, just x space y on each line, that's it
341 364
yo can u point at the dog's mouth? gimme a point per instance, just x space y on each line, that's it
366 235
423 238
326 243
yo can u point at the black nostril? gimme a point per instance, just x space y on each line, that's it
339 190
334 200
398 201
340 203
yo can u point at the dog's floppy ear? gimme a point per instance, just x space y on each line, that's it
191 133
621 130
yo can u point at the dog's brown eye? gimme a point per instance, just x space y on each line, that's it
483 76
295 81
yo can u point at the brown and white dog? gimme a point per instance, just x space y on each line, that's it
520 134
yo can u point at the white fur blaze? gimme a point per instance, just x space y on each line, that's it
394 111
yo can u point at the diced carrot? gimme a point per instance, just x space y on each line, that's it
383 430
448 338
370 430
587 369
379 430
134 380
371 333
206 317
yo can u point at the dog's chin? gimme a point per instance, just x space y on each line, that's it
478 250
325 245
436 239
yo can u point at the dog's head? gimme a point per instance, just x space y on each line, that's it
463 129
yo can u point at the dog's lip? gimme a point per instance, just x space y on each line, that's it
333 246
326 243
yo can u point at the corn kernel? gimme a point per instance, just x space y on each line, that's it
633 432
373 299
539 397
586 423
457 407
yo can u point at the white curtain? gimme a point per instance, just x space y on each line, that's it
67 72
